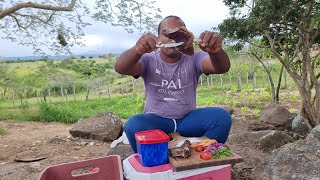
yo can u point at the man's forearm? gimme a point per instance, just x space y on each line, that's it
127 61
220 61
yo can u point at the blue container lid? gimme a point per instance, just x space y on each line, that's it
151 137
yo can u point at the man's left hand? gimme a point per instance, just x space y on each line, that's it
210 42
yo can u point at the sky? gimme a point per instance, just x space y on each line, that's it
102 38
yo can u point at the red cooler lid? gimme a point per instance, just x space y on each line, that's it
151 137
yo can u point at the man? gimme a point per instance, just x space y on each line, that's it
171 80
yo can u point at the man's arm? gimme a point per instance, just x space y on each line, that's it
128 63
218 61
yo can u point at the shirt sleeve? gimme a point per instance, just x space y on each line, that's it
144 61
199 57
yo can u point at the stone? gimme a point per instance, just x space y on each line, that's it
298 160
104 127
275 115
299 126
123 150
274 139
315 132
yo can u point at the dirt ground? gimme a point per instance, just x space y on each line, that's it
53 142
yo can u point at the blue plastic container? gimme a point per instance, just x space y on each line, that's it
152 147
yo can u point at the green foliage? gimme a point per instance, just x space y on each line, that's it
2 130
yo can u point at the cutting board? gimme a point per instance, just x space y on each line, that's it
194 161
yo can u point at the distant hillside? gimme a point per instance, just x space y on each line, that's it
51 57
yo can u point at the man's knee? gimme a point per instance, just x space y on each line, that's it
222 115
133 123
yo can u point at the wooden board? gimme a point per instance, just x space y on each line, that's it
194 161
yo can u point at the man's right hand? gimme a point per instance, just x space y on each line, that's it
146 43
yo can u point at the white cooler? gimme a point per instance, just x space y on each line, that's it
133 170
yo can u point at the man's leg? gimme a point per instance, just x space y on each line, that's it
212 122
143 122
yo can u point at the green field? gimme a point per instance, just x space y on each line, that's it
33 92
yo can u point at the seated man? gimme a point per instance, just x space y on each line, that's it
171 80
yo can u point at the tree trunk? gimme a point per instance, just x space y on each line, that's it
279 84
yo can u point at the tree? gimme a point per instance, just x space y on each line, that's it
57 24
289 28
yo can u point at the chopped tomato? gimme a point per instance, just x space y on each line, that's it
200 148
205 155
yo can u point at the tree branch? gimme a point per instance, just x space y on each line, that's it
19 6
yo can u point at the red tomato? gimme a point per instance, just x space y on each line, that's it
200 148
205 155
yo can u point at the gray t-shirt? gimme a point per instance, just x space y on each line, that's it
171 88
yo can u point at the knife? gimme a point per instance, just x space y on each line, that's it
169 45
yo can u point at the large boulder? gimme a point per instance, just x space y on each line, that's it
275 115
105 126
299 160
274 139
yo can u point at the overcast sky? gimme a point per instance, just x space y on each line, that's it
102 38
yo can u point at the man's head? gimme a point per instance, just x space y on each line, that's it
169 22
174 18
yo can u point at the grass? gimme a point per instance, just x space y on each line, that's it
2 130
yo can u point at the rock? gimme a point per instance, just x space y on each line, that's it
258 126
104 126
274 139
315 132
299 126
123 150
248 136
299 160
275 115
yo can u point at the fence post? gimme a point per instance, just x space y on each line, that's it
61 92
239 81
66 93
74 92
49 93
211 79
247 78
221 81
201 80
109 92
254 81
38 96
13 97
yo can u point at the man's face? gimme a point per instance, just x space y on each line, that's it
169 23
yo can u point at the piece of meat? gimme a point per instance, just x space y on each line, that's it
183 151
181 35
